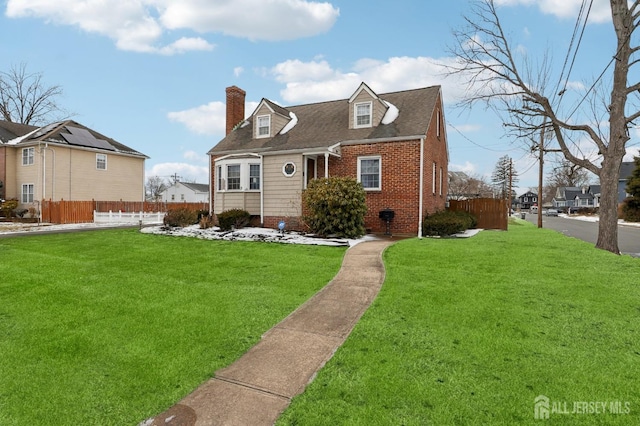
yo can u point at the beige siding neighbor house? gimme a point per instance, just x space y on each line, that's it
67 161
395 144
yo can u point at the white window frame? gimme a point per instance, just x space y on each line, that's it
254 179
220 184
28 196
433 179
440 183
260 126
357 125
28 156
98 161
438 118
222 174
239 177
371 157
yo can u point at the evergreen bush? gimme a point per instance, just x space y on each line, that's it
335 206
446 223
234 218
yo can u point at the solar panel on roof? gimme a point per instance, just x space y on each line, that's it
44 130
83 137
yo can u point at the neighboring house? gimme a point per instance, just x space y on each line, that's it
528 199
573 197
186 192
395 144
626 170
67 161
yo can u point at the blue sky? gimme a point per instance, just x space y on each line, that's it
152 73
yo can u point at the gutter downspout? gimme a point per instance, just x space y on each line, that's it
420 197
211 188
326 165
261 190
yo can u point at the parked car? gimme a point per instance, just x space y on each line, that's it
551 212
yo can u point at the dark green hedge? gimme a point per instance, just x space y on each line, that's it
445 223
234 218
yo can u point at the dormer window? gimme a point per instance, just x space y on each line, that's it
264 126
362 115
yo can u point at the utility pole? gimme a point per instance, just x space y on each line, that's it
175 178
510 186
541 171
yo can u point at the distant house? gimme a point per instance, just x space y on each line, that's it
528 199
573 197
626 170
395 144
186 192
67 161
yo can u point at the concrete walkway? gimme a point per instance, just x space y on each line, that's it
256 388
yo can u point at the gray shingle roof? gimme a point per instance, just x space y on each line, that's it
62 133
626 169
9 130
196 187
324 124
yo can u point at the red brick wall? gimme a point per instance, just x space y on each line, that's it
400 163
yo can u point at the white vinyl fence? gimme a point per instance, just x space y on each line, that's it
126 217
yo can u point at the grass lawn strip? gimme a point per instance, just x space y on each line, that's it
471 331
112 327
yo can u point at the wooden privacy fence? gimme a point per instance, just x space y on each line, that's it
64 212
491 213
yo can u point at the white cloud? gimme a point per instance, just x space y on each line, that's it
209 119
468 128
195 156
467 167
566 9
237 71
139 26
253 19
317 80
186 172
206 119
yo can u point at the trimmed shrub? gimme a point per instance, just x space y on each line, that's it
7 207
335 206
630 209
446 223
234 218
181 217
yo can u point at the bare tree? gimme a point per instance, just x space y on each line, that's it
565 173
497 77
462 186
154 188
25 99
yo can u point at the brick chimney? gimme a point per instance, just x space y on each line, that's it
235 107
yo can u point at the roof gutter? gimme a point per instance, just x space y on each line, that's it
331 149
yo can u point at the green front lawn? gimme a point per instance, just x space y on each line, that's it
112 327
471 331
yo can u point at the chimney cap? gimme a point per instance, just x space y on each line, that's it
235 89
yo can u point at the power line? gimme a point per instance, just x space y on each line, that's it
475 143
575 52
